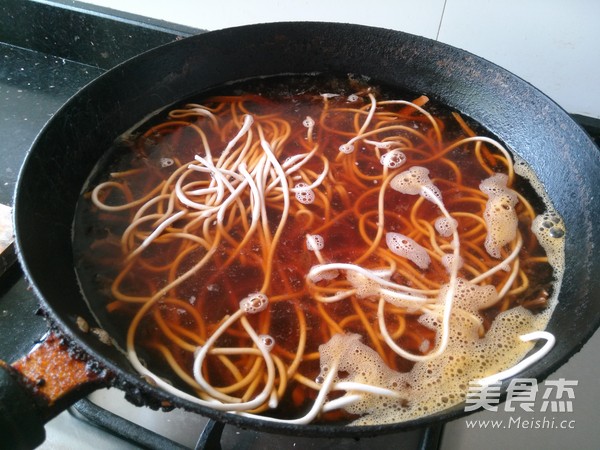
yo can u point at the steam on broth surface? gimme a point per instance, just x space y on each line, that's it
318 249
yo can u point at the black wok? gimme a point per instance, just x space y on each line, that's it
563 156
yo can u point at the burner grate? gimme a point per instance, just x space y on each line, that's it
216 435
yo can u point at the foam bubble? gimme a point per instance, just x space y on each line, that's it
416 181
308 122
346 148
445 226
315 242
499 215
448 262
365 287
166 162
254 303
554 247
432 193
466 358
304 194
550 231
267 341
393 159
411 180
472 297
406 247
360 364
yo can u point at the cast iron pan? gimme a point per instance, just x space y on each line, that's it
565 159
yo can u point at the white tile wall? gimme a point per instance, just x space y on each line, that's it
553 44
418 17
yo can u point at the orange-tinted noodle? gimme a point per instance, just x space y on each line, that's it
219 200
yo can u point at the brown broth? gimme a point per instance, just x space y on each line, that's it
343 207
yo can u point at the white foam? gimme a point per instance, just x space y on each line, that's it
360 364
406 247
445 226
304 194
448 262
315 242
553 244
308 122
254 303
365 287
416 181
346 148
393 159
411 181
499 215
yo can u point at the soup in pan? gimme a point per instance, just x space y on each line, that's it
313 249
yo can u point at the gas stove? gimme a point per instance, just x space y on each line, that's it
39 72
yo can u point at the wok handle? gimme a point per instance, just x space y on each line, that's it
21 424
39 386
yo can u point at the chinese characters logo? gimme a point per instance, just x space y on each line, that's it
521 394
